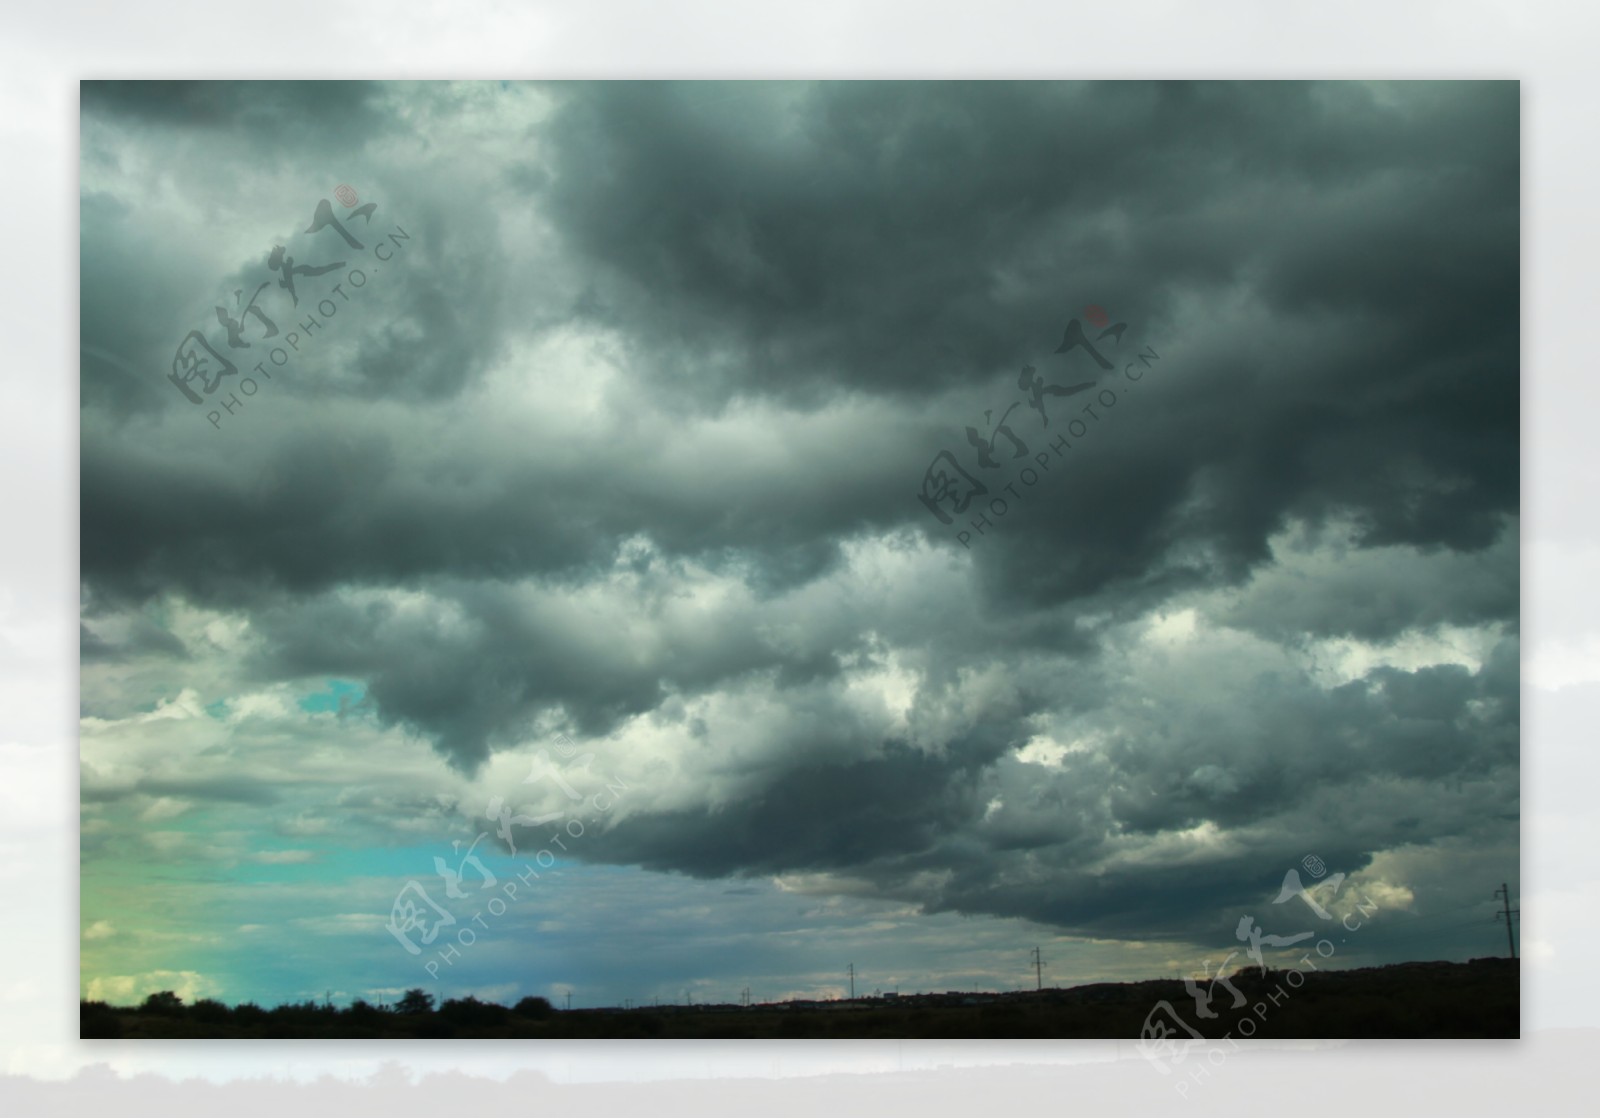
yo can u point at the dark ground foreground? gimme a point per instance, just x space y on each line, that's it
1479 999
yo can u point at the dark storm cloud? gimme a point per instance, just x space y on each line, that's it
906 236
1302 760
804 293
145 638
815 817
1373 594
893 238
348 498
888 213
272 115
150 277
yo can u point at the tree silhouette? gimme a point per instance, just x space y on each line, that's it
210 1011
533 1007
470 1012
163 1002
415 1001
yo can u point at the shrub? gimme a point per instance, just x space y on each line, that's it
162 1002
534 1007
209 1011
363 1011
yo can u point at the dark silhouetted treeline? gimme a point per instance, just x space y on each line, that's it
1480 999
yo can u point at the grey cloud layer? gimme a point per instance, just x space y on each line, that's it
799 294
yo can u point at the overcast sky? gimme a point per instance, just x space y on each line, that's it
618 442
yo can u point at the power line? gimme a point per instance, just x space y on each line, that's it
1504 893
1038 970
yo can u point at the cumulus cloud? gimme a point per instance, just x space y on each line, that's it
625 442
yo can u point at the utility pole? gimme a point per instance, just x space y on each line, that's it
569 1000
1038 971
1504 892
852 982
